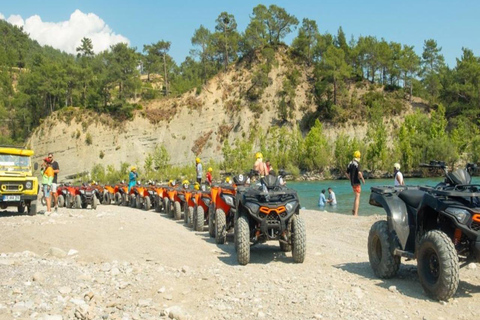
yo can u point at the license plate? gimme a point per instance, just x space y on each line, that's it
11 198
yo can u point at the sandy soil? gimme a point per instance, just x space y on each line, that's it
123 263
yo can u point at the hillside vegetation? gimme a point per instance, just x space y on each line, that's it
268 96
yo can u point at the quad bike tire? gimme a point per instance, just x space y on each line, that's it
287 247
117 198
220 226
21 208
133 201
68 201
138 201
242 240
299 239
125 200
61 201
198 218
85 205
384 263
32 208
158 207
78 201
95 203
106 198
190 217
185 213
147 204
438 266
168 207
177 210
211 223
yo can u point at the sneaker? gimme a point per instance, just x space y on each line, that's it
47 213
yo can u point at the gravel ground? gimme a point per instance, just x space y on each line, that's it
123 263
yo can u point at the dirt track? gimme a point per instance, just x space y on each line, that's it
131 264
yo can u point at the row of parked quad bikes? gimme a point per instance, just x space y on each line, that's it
256 212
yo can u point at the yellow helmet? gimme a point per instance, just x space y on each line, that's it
185 181
196 186
227 179
170 182
133 168
94 182
210 169
197 160
258 155
356 154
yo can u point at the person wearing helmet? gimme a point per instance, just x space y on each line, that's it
209 176
132 178
196 186
260 165
398 176
354 174
198 167
171 183
185 184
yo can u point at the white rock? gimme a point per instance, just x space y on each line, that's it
64 290
7 262
72 252
57 252
106 267
261 315
144 302
53 317
472 266
175 312
115 271
77 302
161 290
392 289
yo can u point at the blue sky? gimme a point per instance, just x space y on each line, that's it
453 24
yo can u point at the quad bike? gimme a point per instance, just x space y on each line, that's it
222 208
439 226
62 192
108 194
136 195
70 196
170 208
184 195
148 196
121 194
100 191
269 211
189 206
87 196
160 195
201 210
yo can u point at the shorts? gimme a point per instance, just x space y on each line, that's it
46 190
357 188
54 187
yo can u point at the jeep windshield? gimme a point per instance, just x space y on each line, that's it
15 163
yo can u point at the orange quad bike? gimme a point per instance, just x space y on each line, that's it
136 195
189 207
222 211
160 195
121 194
172 204
203 199
149 193
182 192
108 194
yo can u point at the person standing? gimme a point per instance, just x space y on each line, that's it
199 169
322 200
398 175
132 178
47 180
260 165
332 199
208 176
354 174
56 170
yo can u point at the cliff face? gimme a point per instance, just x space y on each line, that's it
188 126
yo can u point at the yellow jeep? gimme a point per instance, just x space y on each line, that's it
18 186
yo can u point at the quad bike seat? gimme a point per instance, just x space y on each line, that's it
412 197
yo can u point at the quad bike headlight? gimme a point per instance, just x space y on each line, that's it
229 200
460 214
28 185
252 206
290 206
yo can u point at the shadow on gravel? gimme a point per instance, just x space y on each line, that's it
259 254
5 213
406 281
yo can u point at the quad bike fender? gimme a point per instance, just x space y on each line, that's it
397 215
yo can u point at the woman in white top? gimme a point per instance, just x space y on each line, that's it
398 175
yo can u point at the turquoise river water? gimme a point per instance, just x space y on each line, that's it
309 192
